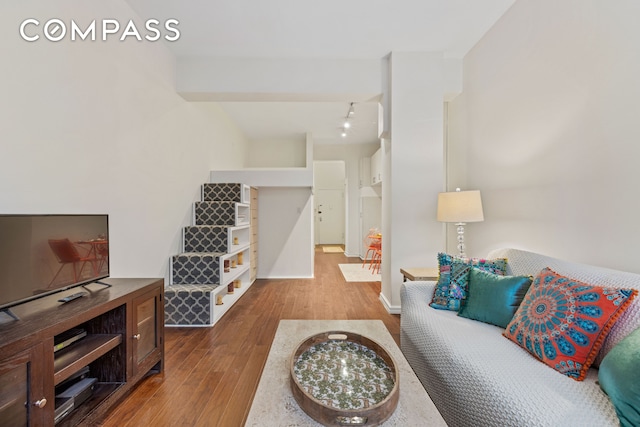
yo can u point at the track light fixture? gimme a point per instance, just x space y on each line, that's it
346 125
351 111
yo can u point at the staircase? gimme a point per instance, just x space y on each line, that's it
213 270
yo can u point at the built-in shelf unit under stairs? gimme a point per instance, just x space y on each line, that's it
213 269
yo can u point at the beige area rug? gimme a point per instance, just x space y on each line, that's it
358 273
274 404
332 249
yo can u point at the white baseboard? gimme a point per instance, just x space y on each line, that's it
391 309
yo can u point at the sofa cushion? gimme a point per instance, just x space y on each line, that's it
619 377
492 298
530 263
563 322
476 377
453 277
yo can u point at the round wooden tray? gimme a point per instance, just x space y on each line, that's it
344 379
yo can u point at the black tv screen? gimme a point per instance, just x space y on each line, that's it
43 254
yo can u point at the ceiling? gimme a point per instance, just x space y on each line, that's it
293 120
333 29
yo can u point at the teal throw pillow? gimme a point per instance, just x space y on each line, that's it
454 274
492 298
619 377
440 297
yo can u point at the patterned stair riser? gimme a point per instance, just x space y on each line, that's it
188 304
196 273
222 192
206 238
215 213
195 269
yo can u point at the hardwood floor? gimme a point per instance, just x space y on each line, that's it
211 374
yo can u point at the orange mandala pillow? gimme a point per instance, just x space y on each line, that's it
563 322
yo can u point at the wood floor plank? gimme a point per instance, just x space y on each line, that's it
211 374
237 409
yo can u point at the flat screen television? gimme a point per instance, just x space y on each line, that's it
44 254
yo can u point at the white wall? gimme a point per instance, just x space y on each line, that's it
285 226
550 109
351 155
277 153
97 127
413 171
283 79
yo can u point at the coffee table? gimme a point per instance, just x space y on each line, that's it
274 404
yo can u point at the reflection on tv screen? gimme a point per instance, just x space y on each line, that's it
45 253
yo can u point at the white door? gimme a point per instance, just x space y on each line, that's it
329 198
329 217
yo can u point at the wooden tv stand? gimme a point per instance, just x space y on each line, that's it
124 343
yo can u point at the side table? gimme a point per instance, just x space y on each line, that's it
419 274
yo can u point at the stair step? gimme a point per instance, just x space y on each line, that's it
214 248
223 192
196 268
215 213
206 238
188 304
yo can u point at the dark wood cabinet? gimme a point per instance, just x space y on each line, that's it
122 342
148 321
22 400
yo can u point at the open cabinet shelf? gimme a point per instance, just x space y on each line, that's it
121 341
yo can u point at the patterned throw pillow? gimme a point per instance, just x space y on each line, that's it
563 322
454 278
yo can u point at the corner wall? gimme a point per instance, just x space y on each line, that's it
97 127
547 129
413 171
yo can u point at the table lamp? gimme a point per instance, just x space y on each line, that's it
460 207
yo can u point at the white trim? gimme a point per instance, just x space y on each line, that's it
390 309
206 325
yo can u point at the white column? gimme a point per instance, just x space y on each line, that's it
414 167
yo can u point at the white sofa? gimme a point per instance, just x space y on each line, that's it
477 377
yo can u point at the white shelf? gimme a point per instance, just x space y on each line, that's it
246 194
229 299
243 214
227 277
242 233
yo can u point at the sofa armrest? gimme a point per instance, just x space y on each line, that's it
417 291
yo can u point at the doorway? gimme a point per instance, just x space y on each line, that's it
329 179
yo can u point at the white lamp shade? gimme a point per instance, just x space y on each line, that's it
460 206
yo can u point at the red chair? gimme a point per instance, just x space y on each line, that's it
67 253
374 248
102 252
374 266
